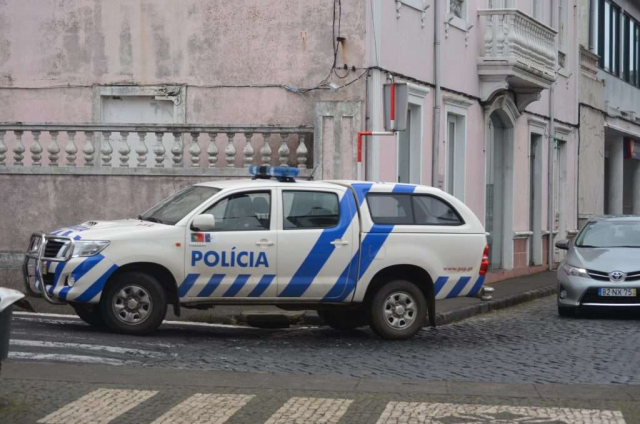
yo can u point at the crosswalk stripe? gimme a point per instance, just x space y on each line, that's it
205 409
422 412
310 410
98 407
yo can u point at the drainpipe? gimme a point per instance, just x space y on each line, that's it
435 165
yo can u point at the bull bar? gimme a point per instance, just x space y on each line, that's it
36 252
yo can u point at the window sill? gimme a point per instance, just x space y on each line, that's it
459 23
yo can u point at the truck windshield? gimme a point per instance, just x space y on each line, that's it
172 209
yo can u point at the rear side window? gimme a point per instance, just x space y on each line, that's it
405 209
310 210
391 209
429 210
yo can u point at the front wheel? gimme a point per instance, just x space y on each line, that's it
89 314
133 303
398 310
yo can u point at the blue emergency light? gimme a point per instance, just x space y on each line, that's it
281 173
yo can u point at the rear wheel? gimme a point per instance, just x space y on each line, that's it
398 310
344 319
134 303
567 311
89 314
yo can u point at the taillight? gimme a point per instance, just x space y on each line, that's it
484 265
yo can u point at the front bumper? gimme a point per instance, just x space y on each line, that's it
581 291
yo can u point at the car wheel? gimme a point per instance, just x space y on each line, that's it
567 311
398 310
134 303
343 320
89 314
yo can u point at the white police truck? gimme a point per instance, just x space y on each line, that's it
359 253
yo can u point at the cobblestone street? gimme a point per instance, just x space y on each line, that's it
525 344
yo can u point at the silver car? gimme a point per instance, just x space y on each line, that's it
602 266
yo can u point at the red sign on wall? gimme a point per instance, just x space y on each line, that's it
631 149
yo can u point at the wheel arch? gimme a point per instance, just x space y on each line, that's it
160 273
412 273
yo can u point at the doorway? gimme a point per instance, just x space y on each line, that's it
409 148
535 199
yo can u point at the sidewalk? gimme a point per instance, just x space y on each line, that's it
507 293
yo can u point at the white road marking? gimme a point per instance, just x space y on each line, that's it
56 357
431 413
84 346
98 407
204 409
310 410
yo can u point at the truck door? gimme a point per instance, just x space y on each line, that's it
238 259
317 239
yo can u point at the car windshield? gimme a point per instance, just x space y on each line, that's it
172 209
610 234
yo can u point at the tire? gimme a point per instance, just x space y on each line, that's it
567 311
398 324
90 314
344 320
133 303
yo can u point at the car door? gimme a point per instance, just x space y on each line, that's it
317 239
238 259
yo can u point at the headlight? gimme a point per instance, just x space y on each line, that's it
89 247
35 245
575 271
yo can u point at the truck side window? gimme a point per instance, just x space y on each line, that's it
390 209
430 210
310 210
242 212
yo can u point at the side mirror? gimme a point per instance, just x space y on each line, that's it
562 244
204 222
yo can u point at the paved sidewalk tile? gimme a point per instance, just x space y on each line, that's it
98 407
204 409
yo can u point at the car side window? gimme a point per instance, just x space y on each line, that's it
310 210
390 209
242 212
430 210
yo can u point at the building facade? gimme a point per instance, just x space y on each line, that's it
132 99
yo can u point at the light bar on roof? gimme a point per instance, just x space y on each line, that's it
273 171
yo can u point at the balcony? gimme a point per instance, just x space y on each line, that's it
519 56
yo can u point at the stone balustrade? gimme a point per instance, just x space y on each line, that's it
152 149
515 37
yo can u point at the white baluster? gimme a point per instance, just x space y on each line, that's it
195 150
71 148
159 150
89 149
230 151
36 149
142 150
106 149
248 150
18 149
301 154
3 149
53 149
124 149
265 150
284 151
176 150
212 151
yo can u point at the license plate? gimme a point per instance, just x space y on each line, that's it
617 292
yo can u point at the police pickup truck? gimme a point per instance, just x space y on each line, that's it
359 253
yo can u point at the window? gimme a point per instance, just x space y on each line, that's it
631 42
538 9
310 210
242 212
455 153
404 209
430 210
608 38
172 209
457 14
458 9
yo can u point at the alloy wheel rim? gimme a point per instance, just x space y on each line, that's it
132 305
399 310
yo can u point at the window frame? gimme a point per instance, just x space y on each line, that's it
310 191
613 65
630 43
413 213
237 193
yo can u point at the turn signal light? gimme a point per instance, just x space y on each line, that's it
484 265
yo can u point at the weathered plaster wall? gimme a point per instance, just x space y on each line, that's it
591 165
199 43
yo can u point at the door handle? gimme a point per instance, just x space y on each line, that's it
264 243
339 242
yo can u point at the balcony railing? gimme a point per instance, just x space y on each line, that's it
515 38
152 149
